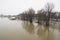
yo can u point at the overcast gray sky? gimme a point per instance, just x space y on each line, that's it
10 7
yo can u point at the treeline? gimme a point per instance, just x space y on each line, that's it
46 14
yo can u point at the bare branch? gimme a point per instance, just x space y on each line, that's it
49 7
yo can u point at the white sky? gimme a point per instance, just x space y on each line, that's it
14 7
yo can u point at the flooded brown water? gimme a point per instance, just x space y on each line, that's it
21 30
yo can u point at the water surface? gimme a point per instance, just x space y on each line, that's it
22 30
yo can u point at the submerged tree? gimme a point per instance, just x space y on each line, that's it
31 13
28 15
49 7
40 16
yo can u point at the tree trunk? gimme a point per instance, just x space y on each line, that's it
47 23
31 20
48 19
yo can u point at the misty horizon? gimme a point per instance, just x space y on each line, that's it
14 7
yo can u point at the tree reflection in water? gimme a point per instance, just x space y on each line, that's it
43 33
29 27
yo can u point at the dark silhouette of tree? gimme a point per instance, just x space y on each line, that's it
30 15
40 16
48 8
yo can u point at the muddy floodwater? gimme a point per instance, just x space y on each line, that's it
22 30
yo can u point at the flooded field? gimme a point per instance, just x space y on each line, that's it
22 30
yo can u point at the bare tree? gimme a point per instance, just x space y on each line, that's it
48 8
40 15
31 13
